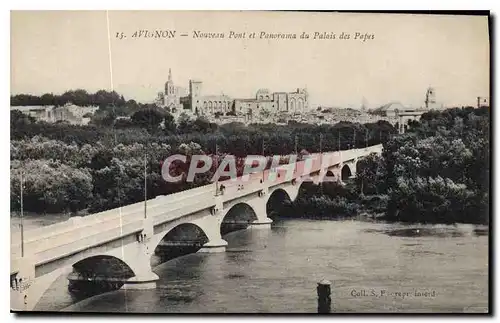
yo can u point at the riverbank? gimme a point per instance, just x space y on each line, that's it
332 201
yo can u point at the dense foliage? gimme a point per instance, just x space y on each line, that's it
326 201
78 97
437 172
109 157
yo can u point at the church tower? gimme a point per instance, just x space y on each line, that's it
171 99
169 86
430 98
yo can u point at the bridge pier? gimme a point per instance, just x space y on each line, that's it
353 165
138 259
264 223
144 277
259 206
211 227
214 246
144 281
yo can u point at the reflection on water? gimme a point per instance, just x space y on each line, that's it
277 271
233 276
80 290
433 231
481 231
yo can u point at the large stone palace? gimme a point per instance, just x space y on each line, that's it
202 104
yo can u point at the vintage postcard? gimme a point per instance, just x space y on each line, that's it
249 162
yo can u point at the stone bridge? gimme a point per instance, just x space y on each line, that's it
117 245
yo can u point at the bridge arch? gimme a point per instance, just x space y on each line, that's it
346 172
98 274
329 176
280 197
277 203
183 239
99 265
85 278
186 232
238 217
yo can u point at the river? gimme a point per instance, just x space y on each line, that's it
373 267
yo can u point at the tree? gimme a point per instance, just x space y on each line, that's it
50 186
202 125
184 123
432 200
17 119
108 119
370 175
169 124
149 118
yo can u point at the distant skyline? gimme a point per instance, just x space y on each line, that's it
52 52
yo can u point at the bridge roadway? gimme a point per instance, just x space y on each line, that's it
125 234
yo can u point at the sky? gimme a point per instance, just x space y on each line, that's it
401 56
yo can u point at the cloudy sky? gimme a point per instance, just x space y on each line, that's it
58 51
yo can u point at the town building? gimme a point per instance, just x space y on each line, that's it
199 103
390 109
402 115
70 113
286 102
483 102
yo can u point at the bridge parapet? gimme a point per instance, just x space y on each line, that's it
176 211
373 149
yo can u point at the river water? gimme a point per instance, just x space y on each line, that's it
373 267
